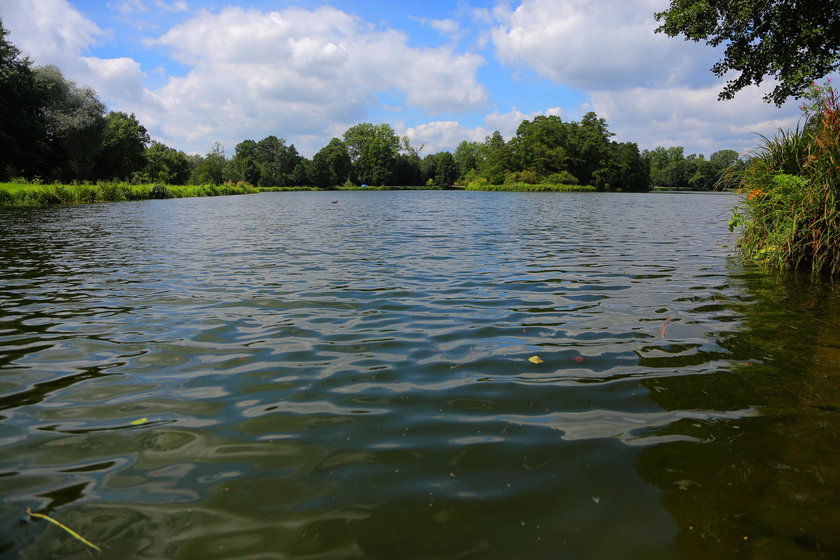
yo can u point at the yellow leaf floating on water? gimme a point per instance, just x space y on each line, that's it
139 421
535 360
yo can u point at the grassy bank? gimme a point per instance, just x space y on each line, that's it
24 194
524 187
790 214
393 188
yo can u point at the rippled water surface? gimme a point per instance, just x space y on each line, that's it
347 375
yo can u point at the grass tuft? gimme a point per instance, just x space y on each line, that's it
790 214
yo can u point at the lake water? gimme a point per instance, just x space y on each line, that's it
347 375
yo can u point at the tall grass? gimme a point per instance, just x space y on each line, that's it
790 215
27 194
526 187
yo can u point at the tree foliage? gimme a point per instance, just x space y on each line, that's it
165 165
122 152
670 167
795 42
22 127
75 123
373 150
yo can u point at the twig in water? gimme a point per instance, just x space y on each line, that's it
66 528
665 326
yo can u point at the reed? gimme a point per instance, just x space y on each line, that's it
790 214
526 187
33 194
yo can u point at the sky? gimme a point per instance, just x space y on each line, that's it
196 72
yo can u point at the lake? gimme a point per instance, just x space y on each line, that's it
395 375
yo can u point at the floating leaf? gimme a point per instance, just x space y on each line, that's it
535 360
73 533
139 421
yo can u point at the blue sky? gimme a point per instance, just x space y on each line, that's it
197 72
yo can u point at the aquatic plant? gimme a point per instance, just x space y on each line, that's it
790 214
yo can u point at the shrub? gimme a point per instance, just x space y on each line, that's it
790 215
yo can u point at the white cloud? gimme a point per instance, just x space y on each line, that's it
176 6
447 26
601 44
255 73
691 117
54 32
49 31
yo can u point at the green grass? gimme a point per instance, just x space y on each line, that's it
525 187
790 214
25 194
287 189
392 188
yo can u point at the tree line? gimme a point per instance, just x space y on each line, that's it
57 131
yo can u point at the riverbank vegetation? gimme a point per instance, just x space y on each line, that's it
525 187
29 194
790 215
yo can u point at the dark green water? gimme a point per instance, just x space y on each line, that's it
281 376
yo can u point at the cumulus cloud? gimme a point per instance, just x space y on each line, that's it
49 31
691 117
54 32
600 44
294 71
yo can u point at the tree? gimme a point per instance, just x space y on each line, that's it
446 172
466 157
373 151
211 168
243 166
75 122
22 126
124 142
331 165
793 42
276 162
166 165
494 160
539 145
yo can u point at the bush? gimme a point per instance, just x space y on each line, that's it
562 178
790 216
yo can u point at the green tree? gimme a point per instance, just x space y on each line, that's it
588 148
625 169
75 123
211 168
22 125
373 151
794 42
541 145
466 157
494 159
331 165
166 165
124 143
276 162
446 172
668 167
243 166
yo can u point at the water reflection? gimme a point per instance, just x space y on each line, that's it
762 485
